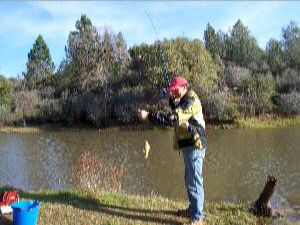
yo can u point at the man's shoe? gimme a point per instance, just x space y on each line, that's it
184 213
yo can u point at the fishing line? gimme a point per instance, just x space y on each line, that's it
151 23
162 52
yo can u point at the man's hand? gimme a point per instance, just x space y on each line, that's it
143 115
185 125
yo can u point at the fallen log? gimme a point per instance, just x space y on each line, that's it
262 206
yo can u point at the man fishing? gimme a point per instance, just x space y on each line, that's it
189 137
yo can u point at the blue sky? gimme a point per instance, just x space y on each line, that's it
22 21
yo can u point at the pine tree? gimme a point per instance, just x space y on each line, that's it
39 65
214 42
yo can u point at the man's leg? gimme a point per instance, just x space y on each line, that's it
193 161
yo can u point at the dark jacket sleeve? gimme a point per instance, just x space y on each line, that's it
172 103
164 119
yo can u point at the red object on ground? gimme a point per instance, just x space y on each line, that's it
8 197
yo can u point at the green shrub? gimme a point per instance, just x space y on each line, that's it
87 107
5 91
288 82
289 104
73 109
4 114
185 57
126 102
25 102
147 62
217 106
129 99
98 108
50 110
255 94
234 75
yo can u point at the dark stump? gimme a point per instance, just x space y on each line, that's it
262 206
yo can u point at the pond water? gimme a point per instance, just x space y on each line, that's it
235 168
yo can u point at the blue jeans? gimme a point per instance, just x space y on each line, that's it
193 161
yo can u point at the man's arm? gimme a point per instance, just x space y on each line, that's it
173 103
164 119
158 118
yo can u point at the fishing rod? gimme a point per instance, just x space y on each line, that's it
165 68
165 72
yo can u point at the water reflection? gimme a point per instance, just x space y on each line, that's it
91 171
13 164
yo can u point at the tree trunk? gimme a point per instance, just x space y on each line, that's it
262 205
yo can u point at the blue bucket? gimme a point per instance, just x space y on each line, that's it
25 212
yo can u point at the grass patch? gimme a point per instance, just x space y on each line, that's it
99 207
20 129
268 121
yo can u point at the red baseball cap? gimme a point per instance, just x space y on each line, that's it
177 81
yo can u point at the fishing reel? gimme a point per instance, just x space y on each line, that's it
165 93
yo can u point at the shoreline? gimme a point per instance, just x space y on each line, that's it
261 122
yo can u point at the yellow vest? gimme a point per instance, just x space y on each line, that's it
191 113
